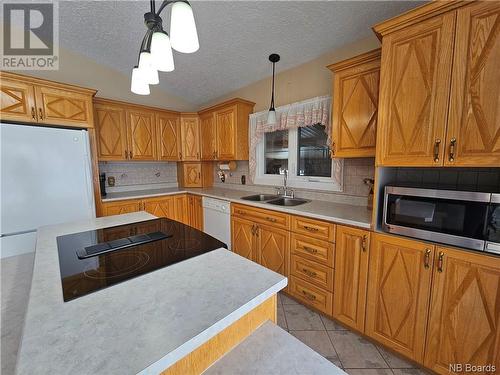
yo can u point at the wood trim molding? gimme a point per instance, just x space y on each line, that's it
356 60
228 103
46 82
205 355
100 100
416 15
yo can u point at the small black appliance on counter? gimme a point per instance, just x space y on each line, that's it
102 184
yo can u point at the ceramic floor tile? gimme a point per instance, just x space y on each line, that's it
330 325
285 300
356 352
335 361
281 318
368 371
409 371
317 341
393 360
299 317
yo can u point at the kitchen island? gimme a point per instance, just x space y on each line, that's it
146 324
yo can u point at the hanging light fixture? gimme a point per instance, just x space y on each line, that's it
271 116
155 53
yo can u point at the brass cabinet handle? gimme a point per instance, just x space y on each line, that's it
271 219
33 113
180 155
309 296
199 175
41 113
436 150
332 150
364 242
310 249
126 154
131 154
240 212
427 257
197 155
308 272
453 141
257 231
253 230
215 154
310 229
440 262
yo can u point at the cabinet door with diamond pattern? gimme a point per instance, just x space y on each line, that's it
169 136
141 134
63 107
111 132
414 92
464 322
17 101
273 249
474 122
399 285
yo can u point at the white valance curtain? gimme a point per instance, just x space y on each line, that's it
291 116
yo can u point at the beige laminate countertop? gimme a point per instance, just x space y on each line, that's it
341 213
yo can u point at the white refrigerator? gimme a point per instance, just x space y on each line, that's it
46 178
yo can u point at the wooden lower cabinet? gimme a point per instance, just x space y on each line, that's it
465 312
351 276
121 207
398 293
195 209
161 207
311 295
181 212
242 238
273 248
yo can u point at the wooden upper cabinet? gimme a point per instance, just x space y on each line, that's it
474 121
191 175
414 92
351 276
355 105
169 136
17 100
225 121
35 100
398 293
464 323
208 136
190 138
111 131
141 131
63 107
224 130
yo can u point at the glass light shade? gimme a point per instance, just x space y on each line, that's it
183 34
147 68
271 117
138 85
161 52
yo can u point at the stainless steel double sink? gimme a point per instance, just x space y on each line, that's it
276 200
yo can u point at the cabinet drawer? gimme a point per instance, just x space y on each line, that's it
313 249
311 295
310 271
321 230
268 217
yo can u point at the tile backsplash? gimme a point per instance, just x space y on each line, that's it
354 192
138 174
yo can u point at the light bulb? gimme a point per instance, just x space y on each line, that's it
183 34
138 85
161 52
271 116
147 68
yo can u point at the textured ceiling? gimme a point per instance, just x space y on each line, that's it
236 37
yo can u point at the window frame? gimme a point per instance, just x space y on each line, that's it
330 184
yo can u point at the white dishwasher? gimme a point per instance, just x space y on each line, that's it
217 219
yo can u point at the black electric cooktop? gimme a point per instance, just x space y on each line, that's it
93 260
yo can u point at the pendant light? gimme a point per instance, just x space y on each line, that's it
271 116
155 53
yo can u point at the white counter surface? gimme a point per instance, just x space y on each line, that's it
142 325
341 213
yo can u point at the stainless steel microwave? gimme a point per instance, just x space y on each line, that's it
459 218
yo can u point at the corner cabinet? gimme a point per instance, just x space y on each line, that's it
351 276
355 105
224 130
439 86
34 100
464 322
399 283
